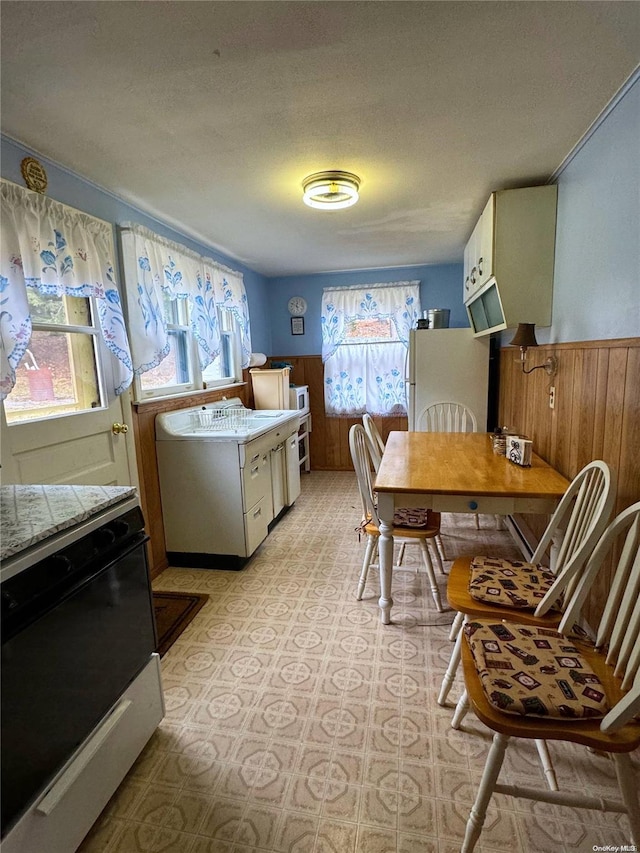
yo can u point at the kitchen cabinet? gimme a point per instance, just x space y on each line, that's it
509 258
478 253
221 491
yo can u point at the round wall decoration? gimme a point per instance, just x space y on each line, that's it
297 306
34 174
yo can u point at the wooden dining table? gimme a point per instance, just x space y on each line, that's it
454 472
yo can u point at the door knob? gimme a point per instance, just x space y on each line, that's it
117 428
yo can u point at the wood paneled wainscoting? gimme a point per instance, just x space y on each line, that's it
144 417
596 416
329 441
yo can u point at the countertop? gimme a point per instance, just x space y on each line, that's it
30 514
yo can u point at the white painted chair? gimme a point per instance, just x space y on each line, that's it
615 658
376 446
580 518
377 442
429 524
448 417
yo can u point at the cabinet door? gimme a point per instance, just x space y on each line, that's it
484 243
293 469
468 263
278 478
474 248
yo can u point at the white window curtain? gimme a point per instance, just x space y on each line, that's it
55 249
230 293
157 269
365 338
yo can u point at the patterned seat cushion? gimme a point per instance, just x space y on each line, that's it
417 518
509 583
528 671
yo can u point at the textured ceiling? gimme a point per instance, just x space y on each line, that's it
208 115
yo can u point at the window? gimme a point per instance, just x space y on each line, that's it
188 317
365 334
59 374
179 371
61 310
226 368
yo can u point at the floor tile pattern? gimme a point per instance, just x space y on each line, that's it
297 723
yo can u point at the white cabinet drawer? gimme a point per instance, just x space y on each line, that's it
256 524
256 478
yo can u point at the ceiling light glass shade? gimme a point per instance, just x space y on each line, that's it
331 190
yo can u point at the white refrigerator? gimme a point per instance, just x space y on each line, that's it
447 365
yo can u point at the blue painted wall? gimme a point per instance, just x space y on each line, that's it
68 188
596 292
440 287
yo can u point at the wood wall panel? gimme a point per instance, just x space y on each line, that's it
596 416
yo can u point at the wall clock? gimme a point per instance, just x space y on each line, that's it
297 306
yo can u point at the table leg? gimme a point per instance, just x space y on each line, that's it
385 556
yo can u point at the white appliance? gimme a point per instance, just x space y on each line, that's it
299 399
447 365
81 686
226 474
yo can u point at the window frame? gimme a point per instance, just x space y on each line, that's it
197 381
100 358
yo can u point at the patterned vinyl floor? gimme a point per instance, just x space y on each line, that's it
297 723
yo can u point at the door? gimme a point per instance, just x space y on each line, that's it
79 449
62 422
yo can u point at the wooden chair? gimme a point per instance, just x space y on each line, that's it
376 440
376 446
615 660
579 520
426 527
580 517
448 417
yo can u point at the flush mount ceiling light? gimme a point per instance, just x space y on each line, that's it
331 190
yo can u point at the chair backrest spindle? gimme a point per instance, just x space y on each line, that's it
360 448
446 417
619 627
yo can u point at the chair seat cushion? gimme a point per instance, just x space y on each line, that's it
535 672
510 583
416 518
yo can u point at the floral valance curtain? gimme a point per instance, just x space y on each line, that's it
230 293
365 337
157 269
57 250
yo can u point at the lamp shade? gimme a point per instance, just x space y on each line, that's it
525 336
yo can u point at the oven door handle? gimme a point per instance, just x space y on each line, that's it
58 790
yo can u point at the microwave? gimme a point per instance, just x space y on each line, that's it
299 398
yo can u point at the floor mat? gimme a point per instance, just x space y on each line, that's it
174 611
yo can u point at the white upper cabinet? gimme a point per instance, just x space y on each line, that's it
508 261
478 253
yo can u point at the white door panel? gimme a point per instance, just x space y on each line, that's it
79 449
